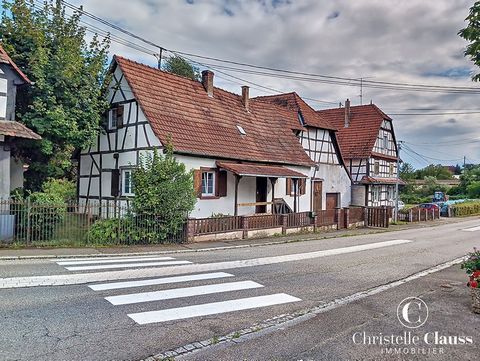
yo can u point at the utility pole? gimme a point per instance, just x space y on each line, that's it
397 195
159 57
361 91
464 161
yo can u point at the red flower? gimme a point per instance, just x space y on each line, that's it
474 284
476 274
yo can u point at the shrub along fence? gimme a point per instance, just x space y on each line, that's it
465 209
24 222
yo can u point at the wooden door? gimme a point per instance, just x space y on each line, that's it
261 195
317 196
332 200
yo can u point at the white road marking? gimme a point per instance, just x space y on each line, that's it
181 292
81 278
214 308
101 258
116 260
159 281
126 265
473 229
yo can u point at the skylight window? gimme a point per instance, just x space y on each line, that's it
241 130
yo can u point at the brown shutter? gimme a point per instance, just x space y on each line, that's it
115 182
302 185
197 182
120 116
221 183
289 186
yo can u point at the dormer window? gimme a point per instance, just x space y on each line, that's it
300 119
241 130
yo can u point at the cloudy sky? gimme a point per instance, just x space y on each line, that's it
400 41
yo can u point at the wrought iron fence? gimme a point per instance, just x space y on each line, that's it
25 222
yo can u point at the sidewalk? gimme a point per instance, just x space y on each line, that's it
30 253
330 335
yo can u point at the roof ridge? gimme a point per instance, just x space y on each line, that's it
173 74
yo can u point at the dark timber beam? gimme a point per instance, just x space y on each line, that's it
273 180
295 182
237 180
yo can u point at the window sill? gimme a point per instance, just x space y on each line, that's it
209 197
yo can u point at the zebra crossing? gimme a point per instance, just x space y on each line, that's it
184 287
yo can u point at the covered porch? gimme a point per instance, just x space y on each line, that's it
266 176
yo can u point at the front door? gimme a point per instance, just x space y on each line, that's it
261 195
332 200
317 196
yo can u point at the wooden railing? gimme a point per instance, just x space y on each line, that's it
301 219
263 221
417 214
217 225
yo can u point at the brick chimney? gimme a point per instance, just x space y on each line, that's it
347 113
207 81
245 96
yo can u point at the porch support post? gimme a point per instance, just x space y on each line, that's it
273 180
295 182
237 180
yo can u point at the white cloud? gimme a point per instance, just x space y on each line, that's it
401 41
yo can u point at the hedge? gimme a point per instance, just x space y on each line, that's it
466 209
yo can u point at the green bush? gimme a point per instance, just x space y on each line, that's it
466 209
64 189
112 231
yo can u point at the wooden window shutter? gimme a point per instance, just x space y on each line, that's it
120 116
302 185
289 186
115 182
197 182
221 183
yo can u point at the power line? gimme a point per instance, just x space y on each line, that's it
425 156
294 74
446 113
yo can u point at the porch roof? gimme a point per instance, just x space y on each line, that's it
260 170
372 180
16 129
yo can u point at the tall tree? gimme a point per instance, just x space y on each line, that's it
178 65
65 102
471 33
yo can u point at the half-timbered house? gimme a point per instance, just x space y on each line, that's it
367 140
248 155
329 180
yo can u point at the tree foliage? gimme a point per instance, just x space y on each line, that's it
471 33
178 65
65 102
433 170
163 189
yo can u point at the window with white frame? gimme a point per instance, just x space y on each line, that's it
208 183
391 193
127 182
385 142
375 194
376 168
112 119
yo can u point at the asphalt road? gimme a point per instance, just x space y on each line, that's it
76 322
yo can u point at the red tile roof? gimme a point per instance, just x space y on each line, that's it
260 170
198 124
4 58
16 129
358 139
294 102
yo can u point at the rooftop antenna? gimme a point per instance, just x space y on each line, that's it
361 87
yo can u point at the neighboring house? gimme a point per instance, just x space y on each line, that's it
369 148
329 180
244 152
11 169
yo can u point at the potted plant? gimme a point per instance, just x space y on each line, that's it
472 267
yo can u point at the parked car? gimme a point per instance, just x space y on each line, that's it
429 206
401 205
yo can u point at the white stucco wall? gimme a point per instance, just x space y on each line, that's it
16 174
4 173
